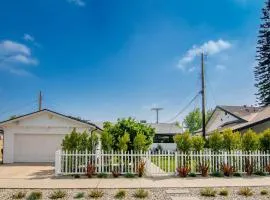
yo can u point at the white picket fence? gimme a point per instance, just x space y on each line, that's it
156 163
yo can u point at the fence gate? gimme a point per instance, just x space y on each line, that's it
161 163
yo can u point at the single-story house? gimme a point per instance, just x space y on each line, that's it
36 136
238 118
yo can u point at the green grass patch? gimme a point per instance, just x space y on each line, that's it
164 162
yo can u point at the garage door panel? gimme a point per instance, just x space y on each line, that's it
36 147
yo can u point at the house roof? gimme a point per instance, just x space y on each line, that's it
248 116
166 128
53 112
160 128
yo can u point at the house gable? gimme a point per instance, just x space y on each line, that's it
219 118
45 118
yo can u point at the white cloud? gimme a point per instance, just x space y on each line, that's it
220 67
210 48
28 37
20 72
23 59
80 3
14 55
10 47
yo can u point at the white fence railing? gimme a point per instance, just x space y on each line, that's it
162 163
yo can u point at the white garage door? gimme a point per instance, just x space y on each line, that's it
36 147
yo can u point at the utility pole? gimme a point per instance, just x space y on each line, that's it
203 96
157 111
40 101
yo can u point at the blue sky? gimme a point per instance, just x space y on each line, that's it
102 59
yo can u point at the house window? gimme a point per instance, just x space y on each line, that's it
161 138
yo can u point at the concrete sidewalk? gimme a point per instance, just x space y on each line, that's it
110 183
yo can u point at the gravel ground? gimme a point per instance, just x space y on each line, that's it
154 194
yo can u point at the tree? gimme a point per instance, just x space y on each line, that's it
262 69
215 141
71 141
193 121
183 141
231 140
250 141
140 142
106 141
198 143
132 128
80 141
265 140
123 142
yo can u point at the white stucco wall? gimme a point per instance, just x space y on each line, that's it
40 123
165 146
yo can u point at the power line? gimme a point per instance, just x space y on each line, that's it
183 110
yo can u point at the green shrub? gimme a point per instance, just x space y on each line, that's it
198 143
264 192
215 141
260 173
183 141
140 193
95 194
129 175
231 140
120 194
223 192
57 194
192 175
208 192
79 195
140 142
265 140
237 174
35 195
18 195
217 174
102 175
245 191
250 141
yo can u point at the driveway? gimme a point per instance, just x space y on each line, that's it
27 171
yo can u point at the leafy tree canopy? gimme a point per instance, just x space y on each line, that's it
124 132
193 121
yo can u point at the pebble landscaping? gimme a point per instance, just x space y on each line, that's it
154 194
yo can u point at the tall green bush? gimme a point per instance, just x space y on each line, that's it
183 141
198 143
265 140
140 142
215 141
106 141
123 142
250 141
231 140
71 141
80 141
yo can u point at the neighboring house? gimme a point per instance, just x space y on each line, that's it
164 135
238 118
36 136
